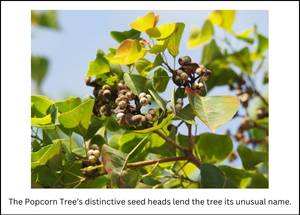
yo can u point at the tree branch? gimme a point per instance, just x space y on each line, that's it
150 162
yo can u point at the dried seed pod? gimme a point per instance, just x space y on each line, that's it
106 87
208 72
181 61
142 95
149 117
123 104
97 153
179 101
135 120
143 101
87 80
144 122
120 115
204 78
121 119
130 95
184 76
178 107
203 68
90 152
94 147
179 72
93 159
148 98
124 98
194 85
201 86
128 117
187 59
199 71
152 111
107 93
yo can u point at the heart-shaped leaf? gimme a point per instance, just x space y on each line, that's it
214 111
145 22
174 40
78 119
214 148
143 66
160 46
68 105
161 32
128 52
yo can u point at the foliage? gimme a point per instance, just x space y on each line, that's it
144 149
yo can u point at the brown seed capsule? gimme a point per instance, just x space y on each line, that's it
121 119
130 95
123 104
208 72
184 76
144 122
204 78
187 59
179 72
179 101
128 117
87 80
143 101
194 85
135 120
97 153
149 117
201 86
94 147
181 61
93 159
107 93
106 87
152 112
142 95
178 107
199 71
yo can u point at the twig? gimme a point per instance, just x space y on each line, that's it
172 142
150 162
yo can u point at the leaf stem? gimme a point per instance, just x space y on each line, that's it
172 142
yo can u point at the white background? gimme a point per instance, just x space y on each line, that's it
284 116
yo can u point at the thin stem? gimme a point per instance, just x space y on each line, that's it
144 176
172 142
196 153
150 162
190 136
130 153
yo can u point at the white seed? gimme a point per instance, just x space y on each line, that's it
155 118
142 95
201 86
90 152
120 115
178 107
179 72
194 85
148 98
177 78
149 117
122 104
184 76
152 112
181 60
179 101
143 101
92 159
94 147
199 71
97 153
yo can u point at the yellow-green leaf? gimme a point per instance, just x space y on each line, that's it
161 32
145 22
174 40
98 66
214 111
160 46
222 18
199 36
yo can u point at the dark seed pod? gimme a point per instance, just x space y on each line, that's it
181 61
171 126
107 93
144 122
135 120
177 80
203 68
94 147
208 72
128 117
187 59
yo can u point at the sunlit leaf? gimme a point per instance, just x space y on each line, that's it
98 66
242 60
160 80
40 105
136 83
263 43
143 66
174 40
47 122
214 148
68 104
214 111
157 61
244 35
39 67
222 18
199 36
160 46
250 158
42 156
121 36
161 32
144 23
128 52
78 119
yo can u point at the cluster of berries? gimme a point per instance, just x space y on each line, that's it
93 155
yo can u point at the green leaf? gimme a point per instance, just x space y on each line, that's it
128 52
42 156
214 148
259 181
243 35
221 75
128 179
116 69
250 158
79 151
166 149
35 146
112 124
222 18
69 147
98 66
78 119
159 100
263 43
160 80
160 46
174 40
157 61
236 175
199 36
143 66
121 36
100 182
49 19
47 122
41 105
68 105
211 52
242 59
214 111
39 67
161 32
136 83
99 138
212 176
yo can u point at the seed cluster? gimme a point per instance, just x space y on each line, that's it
178 105
93 155
189 73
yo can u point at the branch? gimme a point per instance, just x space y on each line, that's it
150 162
172 142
